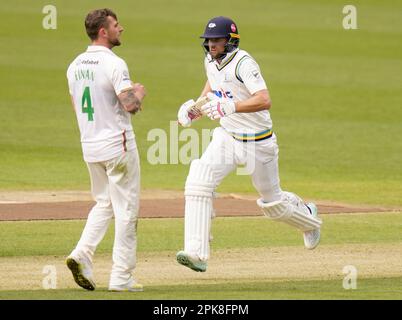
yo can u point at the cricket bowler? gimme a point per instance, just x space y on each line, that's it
104 98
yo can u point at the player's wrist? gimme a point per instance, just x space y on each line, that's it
230 107
235 107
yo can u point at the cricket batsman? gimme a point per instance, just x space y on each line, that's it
235 94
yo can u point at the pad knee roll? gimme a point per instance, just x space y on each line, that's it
200 180
290 214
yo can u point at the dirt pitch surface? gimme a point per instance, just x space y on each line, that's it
49 205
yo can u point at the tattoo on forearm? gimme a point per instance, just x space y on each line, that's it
130 101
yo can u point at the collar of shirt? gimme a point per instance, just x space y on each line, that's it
92 48
228 56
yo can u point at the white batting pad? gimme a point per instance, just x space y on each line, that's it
289 213
199 189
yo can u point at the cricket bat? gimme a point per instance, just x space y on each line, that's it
195 112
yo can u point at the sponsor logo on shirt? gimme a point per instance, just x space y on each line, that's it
126 76
90 61
223 94
255 73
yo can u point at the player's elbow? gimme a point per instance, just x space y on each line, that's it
264 100
129 101
266 103
132 108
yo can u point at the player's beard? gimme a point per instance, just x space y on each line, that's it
115 42
218 56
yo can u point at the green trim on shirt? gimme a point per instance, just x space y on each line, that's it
238 67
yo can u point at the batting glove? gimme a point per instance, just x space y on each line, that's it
218 108
183 116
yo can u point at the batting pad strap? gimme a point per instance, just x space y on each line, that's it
290 214
200 180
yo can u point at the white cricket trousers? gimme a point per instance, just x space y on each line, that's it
115 186
225 154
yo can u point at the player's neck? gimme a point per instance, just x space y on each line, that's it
102 42
219 60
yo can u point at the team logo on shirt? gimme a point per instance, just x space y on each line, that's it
227 78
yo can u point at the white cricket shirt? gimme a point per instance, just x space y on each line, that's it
238 77
95 78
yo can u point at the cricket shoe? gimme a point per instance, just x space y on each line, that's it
191 262
312 238
131 286
82 272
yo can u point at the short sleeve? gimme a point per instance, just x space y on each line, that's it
120 77
249 73
69 80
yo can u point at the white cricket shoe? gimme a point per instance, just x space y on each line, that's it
82 272
191 262
131 286
312 238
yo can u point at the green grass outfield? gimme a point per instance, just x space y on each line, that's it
384 289
267 262
336 93
58 237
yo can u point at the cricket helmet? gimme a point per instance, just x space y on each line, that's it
222 27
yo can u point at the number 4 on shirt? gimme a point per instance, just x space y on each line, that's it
87 104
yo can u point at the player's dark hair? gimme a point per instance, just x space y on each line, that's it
97 19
